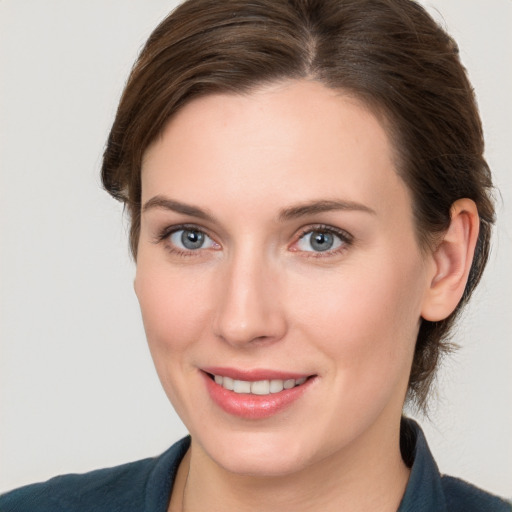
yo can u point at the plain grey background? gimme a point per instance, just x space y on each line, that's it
77 387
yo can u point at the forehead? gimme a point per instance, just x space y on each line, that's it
290 141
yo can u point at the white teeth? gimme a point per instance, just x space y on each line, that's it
228 383
242 386
289 383
258 387
276 386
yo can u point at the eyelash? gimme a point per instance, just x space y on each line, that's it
165 234
346 238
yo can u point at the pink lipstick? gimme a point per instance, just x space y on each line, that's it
254 394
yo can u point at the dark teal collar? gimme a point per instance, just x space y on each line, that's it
424 492
427 490
430 491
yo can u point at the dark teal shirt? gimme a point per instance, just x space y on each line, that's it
145 486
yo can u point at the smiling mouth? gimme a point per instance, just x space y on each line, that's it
255 394
258 387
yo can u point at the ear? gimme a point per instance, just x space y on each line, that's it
452 260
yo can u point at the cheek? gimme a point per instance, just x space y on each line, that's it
174 315
365 318
173 309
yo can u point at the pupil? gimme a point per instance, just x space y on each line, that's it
321 241
192 239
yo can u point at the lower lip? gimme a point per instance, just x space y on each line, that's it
251 406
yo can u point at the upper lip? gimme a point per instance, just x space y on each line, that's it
254 374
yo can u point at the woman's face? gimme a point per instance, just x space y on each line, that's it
278 257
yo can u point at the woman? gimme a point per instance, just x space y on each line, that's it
309 212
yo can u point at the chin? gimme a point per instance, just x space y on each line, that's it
257 454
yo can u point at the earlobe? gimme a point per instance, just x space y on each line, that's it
452 260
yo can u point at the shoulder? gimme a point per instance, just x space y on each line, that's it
117 486
465 497
121 488
428 490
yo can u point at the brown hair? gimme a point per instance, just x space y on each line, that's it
389 53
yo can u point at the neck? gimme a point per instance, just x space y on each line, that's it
368 475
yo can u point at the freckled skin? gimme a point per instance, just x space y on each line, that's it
258 295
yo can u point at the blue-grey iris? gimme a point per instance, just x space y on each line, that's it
321 241
192 239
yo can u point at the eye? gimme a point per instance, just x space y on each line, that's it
190 239
322 240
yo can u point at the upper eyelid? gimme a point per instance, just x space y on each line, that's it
301 232
169 230
346 238
164 237
342 233
206 239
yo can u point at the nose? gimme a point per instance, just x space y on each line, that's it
248 308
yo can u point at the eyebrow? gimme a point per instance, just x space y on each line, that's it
321 206
175 206
293 212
